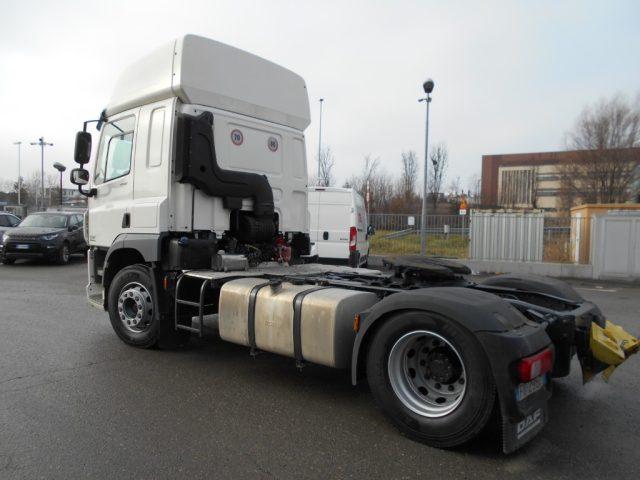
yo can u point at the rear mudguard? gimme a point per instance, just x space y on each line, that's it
503 332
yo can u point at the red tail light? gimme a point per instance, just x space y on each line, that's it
353 237
535 365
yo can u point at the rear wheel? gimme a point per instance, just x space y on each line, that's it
431 378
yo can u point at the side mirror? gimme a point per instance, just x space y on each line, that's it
72 228
82 153
371 230
79 176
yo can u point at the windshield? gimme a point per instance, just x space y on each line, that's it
47 221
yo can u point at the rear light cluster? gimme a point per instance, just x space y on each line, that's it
535 365
353 236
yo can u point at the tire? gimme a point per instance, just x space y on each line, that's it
131 291
8 261
456 376
63 254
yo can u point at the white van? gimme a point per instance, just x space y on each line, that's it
338 225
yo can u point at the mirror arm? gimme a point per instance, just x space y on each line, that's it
91 193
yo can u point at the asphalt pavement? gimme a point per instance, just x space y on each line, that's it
75 402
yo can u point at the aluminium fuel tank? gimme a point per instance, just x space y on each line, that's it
324 315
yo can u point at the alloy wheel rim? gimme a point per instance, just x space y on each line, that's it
427 373
135 307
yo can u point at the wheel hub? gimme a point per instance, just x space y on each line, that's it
135 307
441 365
426 373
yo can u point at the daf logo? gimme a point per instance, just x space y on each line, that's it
273 144
529 423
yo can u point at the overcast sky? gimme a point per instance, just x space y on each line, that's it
510 76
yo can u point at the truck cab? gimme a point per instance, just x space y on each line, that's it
146 189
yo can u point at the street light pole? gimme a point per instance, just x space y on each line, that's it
61 168
19 144
428 88
42 144
320 139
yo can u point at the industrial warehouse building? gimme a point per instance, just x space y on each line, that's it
532 180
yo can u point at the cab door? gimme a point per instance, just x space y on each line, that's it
113 180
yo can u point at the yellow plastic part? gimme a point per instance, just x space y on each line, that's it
604 348
612 345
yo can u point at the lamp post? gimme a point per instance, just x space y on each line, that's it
42 144
428 88
19 144
320 139
61 168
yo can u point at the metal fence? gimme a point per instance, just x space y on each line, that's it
507 236
531 237
567 239
447 235
394 222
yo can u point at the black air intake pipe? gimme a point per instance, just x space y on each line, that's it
196 164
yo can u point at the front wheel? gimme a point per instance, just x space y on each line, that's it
131 307
63 254
431 378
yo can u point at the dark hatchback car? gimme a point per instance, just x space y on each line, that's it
47 235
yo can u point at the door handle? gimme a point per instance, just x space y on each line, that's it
325 236
126 220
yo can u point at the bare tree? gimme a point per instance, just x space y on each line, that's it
408 175
474 187
439 161
33 187
375 187
455 186
326 162
605 163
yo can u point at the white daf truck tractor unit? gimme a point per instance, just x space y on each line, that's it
198 208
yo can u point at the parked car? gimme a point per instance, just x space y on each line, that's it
338 225
45 235
7 221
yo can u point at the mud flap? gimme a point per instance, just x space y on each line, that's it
608 347
516 434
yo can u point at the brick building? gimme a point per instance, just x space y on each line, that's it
525 180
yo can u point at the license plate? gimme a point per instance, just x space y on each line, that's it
525 389
22 247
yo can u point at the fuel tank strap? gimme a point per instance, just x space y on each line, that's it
297 322
251 317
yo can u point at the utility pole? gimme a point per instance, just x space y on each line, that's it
42 144
428 88
19 144
320 140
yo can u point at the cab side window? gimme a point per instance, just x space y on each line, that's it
116 147
4 221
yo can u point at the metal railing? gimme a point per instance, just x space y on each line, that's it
398 234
